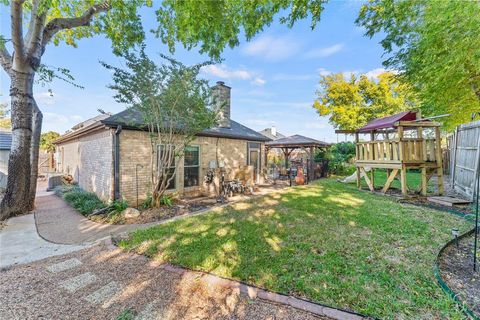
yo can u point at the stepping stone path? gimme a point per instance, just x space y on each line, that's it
65 265
104 294
149 312
78 282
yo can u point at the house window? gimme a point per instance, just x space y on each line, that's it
191 166
169 167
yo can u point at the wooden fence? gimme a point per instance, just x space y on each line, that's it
465 157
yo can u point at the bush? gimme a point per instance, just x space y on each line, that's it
166 200
84 202
118 206
147 203
64 188
339 157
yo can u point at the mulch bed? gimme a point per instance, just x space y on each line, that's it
456 269
179 208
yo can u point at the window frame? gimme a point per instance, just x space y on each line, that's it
192 166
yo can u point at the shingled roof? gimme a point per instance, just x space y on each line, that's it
296 141
133 119
388 122
5 140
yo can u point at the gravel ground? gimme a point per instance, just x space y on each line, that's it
103 282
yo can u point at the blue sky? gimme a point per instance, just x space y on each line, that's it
273 77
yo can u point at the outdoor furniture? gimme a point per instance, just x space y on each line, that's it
397 143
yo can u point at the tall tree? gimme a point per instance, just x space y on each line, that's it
210 24
351 102
46 140
436 47
174 104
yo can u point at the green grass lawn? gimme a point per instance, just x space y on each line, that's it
414 180
326 242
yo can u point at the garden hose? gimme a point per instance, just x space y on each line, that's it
443 284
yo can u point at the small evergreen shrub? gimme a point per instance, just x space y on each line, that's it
85 202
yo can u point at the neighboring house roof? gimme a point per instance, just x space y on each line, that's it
269 134
91 121
133 119
296 141
5 140
388 122
88 125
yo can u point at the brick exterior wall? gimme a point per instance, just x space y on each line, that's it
135 152
89 159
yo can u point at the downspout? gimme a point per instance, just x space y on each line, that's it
116 163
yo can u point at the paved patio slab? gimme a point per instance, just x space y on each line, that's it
20 243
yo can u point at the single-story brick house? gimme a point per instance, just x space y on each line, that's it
111 156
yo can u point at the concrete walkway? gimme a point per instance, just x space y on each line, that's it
59 223
20 243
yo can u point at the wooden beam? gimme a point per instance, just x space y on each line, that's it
403 180
417 124
424 183
367 180
438 155
389 181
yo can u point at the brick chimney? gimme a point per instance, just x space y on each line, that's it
221 94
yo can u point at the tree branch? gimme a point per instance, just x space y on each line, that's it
34 36
5 59
16 16
59 24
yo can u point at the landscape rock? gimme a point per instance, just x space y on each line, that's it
130 213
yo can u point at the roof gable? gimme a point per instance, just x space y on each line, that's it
388 122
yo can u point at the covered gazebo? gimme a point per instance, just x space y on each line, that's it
288 144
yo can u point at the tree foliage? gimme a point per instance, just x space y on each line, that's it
216 24
46 140
174 104
351 102
436 47
5 122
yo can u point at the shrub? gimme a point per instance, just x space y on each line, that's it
147 203
166 200
84 202
339 157
118 206
64 188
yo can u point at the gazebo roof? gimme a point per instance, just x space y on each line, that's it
296 141
388 122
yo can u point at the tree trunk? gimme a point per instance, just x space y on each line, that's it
16 197
35 147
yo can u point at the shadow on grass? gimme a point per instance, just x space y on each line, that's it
325 242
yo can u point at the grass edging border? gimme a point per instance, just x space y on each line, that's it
436 269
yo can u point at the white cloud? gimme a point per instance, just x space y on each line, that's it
222 71
59 122
373 74
324 72
258 81
272 48
324 52
46 98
